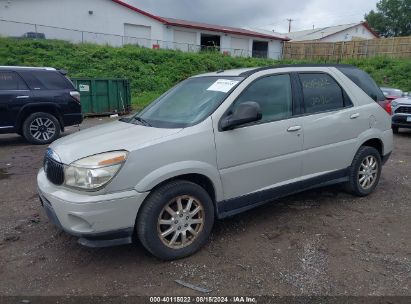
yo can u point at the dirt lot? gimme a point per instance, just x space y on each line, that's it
319 242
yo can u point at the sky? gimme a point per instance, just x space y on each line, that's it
266 14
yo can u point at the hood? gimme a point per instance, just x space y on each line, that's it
403 101
108 137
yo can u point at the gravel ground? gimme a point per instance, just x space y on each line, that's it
320 242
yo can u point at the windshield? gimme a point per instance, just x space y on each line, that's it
188 103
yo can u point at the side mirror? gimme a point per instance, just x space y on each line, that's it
246 112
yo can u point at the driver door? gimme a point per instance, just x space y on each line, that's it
267 153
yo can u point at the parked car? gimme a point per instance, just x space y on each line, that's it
401 113
391 93
34 35
37 103
216 145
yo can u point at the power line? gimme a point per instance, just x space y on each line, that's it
329 16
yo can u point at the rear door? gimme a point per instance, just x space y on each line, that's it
14 93
331 124
49 87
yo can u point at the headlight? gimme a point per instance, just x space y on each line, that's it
95 171
394 104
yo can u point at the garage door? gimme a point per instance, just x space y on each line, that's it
137 34
184 41
240 46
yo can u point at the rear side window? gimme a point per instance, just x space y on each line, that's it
365 82
11 81
321 93
51 80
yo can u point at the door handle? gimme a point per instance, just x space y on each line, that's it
354 116
22 97
294 129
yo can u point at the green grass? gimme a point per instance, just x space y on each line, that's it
152 72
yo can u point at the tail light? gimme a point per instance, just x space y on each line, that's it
75 95
386 105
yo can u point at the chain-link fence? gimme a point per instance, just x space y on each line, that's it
22 30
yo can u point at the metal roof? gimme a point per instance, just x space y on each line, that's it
319 33
222 29
203 26
267 32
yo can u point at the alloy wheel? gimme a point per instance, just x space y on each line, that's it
367 174
42 129
180 222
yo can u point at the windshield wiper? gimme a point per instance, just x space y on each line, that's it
142 120
125 119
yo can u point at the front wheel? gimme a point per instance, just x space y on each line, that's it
365 171
176 220
41 128
395 129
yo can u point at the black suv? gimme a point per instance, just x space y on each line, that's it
37 103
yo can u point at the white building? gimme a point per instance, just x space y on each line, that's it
117 23
345 32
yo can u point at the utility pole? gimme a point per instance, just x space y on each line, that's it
289 24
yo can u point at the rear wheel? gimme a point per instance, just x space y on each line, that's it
365 171
176 220
41 128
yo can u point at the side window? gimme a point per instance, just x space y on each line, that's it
273 94
11 81
364 81
321 93
52 80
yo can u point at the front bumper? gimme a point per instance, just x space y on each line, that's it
98 220
400 120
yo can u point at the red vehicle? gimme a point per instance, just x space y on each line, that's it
390 95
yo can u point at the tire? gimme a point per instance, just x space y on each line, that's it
41 128
357 183
395 129
149 228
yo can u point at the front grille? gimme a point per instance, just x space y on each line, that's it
54 171
405 110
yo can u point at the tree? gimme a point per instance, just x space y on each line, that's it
392 18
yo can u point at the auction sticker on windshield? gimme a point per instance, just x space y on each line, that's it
223 85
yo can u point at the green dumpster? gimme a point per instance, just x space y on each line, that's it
104 96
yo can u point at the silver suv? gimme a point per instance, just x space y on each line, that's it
401 113
213 146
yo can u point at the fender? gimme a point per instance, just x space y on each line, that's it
48 105
173 170
370 134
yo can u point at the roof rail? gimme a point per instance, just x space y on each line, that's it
306 65
26 67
